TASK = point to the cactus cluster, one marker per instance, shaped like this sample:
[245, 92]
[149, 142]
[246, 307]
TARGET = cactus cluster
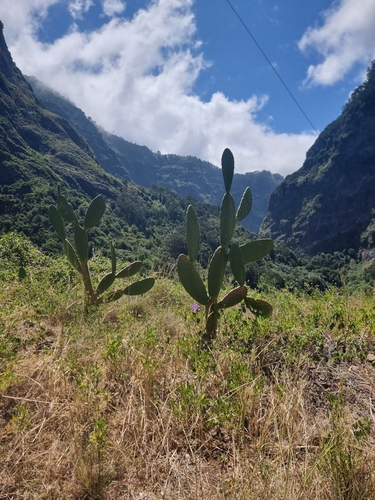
[78, 255]
[236, 255]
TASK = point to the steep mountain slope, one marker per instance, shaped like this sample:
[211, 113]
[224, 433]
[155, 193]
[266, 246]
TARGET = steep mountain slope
[84, 125]
[186, 175]
[39, 149]
[329, 204]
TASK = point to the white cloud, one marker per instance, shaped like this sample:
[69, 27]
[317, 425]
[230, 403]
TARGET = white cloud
[113, 7]
[135, 78]
[79, 7]
[346, 37]
[23, 17]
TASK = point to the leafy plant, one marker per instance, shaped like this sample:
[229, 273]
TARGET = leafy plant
[236, 255]
[79, 256]
[21, 419]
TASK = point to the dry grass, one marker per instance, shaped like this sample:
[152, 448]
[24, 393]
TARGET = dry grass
[122, 404]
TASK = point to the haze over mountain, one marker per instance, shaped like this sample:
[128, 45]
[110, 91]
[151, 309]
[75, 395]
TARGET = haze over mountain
[329, 204]
[186, 175]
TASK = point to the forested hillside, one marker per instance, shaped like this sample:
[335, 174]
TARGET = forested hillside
[40, 149]
[186, 175]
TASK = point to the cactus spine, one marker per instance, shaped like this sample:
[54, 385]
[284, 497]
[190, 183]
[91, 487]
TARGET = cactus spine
[78, 255]
[237, 256]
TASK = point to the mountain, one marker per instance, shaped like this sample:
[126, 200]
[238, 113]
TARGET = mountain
[60, 106]
[329, 204]
[39, 149]
[186, 175]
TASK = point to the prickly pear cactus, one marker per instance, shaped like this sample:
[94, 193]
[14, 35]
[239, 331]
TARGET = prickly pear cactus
[236, 255]
[78, 257]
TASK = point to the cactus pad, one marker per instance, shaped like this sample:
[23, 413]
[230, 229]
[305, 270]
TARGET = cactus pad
[216, 271]
[192, 233]
[113, 259]
[105, 283]
[94, 212]
[227, 165]
[245, 206]
[72, 256]
[237, 263]
[65, 209]
[233, 297]
[110, 297]
[259, 307]
[140, 287]
[22, 273]
[81, 242]
[57, 222]
[255, 250]
[130, 270]
[191, 280]
[227, 219]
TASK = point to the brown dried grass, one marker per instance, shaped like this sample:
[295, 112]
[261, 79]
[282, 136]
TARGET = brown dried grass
[126, 367]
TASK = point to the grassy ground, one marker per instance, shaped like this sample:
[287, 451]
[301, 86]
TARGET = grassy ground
[123, 404]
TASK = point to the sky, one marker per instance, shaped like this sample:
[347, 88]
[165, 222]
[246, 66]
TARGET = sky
[187, 77]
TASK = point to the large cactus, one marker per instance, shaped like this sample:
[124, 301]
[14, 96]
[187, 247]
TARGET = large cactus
[78, 255]
[236, 255]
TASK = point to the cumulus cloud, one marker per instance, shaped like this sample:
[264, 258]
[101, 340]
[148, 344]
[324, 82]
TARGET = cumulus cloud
[135, 78]
[79, 7]
[113, 7]
[346, 37]
[21, 19]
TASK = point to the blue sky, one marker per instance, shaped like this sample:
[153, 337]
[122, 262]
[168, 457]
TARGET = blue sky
[184, 76]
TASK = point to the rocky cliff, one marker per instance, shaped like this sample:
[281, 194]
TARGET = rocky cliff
[329, 204]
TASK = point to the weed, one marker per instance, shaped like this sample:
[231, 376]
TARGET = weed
[121, 406]
[21, 420]
[349, 472]
[91, 470]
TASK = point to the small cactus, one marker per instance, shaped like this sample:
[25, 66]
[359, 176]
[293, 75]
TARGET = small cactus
[78, 255]
[237, 255]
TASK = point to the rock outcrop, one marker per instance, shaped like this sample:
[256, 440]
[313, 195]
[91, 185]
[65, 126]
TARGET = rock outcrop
[329, 204]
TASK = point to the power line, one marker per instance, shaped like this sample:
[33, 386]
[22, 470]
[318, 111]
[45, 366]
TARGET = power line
[272, 66]
[285, 85]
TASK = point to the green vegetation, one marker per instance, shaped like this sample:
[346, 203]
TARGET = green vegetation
[236, 255]
[79, 256]
[120, 403]
[185, 175]
[285, 269]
